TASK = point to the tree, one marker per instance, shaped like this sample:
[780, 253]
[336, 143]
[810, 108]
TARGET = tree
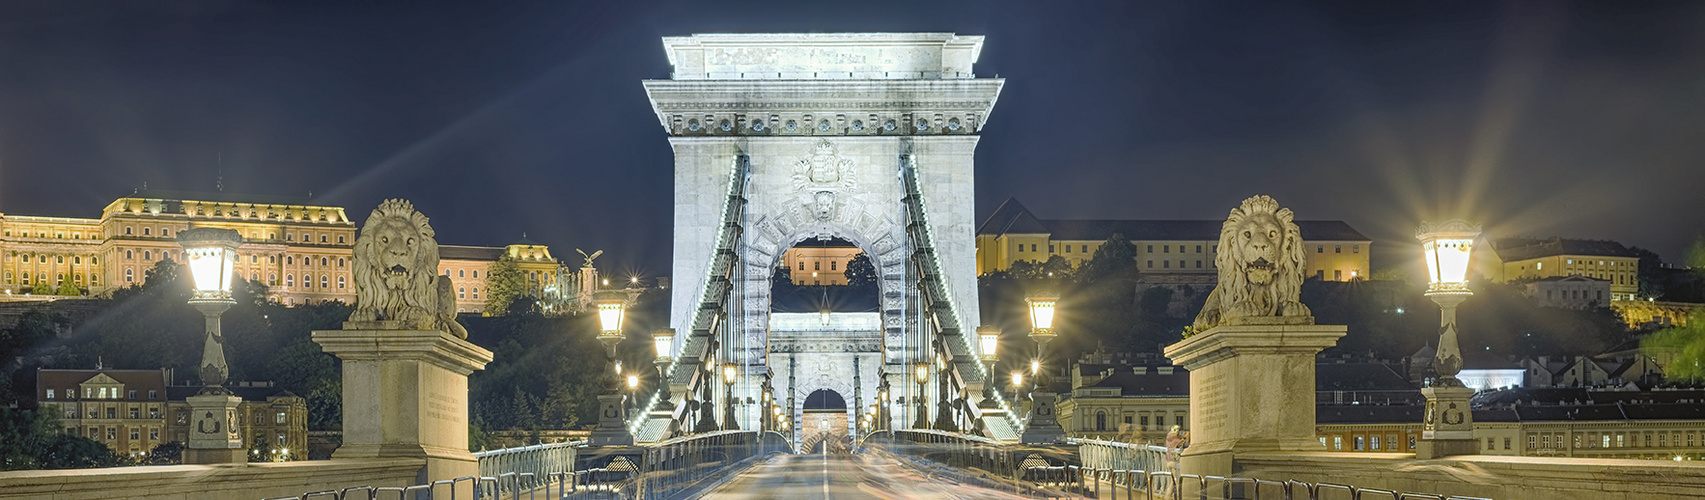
[34, 440]
[861, 271]
[504, 282]
[67, 288]
[1650, 273]
[1683, 345]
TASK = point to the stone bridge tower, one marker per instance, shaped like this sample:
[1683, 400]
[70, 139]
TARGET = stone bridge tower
[816, 133]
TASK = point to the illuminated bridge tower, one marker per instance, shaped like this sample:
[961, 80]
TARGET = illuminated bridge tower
[785, 138]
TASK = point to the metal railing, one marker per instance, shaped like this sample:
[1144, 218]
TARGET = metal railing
[663, 470]
[1132, 484]
[539, 460]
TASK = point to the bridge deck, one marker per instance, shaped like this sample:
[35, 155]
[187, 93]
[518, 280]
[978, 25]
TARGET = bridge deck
[824, 476]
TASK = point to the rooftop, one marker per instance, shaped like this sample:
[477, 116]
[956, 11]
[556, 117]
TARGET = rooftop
[1513, 249]
[1012, 218]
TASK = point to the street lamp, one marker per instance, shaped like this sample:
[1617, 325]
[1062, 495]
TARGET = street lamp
[1042, 427]
[920, 370]
[882, 406]
[729, 372]
[1448, 425]
[633, 388]
[211, 253]
[612, 418]
[663, 340]
[988, 342]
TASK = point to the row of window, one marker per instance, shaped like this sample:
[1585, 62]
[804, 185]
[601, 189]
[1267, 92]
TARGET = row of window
[57, 259]
[1167, 264]
[1142, 421]
[818, 265]
[1371, 442]
[111, 433]
[1664, 439]
[253, 235]
[112, 413]
[1337, 249]
[41, 278]
[1168, 248]
[105, 393]
[56, 234]
[460, 292]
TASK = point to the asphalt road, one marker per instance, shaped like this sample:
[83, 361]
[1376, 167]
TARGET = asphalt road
[825, 476]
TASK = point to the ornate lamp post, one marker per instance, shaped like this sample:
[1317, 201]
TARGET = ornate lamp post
[730, 371]
[663, 340]
[1448, 424]
[707, 410]
[211, 253]
[1042, 427]
[921, 372]
[882, 417]
[988, 342]
[612, 420]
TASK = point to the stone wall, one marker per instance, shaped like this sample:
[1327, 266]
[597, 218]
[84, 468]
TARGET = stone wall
[232, 481]
[1504, 478]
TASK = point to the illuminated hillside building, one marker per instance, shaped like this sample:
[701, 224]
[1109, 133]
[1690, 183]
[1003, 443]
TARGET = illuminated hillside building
[1166, 250]
[1516, 259]
[301, 251]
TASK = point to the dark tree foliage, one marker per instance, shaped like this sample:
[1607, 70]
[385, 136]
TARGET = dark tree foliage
[33, 440]
[1683, 345]
[861, 272]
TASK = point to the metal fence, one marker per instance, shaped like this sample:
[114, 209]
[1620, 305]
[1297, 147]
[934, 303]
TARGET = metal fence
[539, 460]
[663, 470]
[1132, 484]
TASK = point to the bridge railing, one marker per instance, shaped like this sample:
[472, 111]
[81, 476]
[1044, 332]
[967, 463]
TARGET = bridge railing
[672, 466]
[539, 460]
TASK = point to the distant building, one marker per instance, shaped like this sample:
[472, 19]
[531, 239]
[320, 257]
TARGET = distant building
[1169, 250]
[1654, 313]
[1125, 398]
[301, 250]
[1526, 258]
[469, 269]
[132, 411]
[1570, 292]
[819, 265]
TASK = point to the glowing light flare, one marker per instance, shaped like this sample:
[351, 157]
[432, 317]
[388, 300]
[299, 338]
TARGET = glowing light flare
[611, 312]
[729, 372]
[1017, 379]
[921, 371]
[633, 382]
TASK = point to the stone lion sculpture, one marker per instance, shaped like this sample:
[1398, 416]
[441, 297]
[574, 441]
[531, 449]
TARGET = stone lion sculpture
[1260, 261]
[396, 273]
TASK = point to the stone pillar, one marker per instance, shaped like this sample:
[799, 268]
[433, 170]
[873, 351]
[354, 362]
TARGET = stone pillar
[1448, 425]
[1043, 427]
[1251, 390]
[405, 394]
[213, 430]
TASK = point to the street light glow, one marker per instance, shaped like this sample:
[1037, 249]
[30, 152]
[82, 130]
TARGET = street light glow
[1447, 248]
[211, 253]
[988, 338]
[1041, 311]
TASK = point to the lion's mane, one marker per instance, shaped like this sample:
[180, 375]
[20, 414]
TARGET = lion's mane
[422, 302]
[1237, 297]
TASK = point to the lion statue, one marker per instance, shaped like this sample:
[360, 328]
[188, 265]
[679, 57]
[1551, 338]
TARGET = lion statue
[396, 273]
[1260, 261]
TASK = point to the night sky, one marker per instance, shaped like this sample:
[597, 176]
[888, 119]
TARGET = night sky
[499, 118]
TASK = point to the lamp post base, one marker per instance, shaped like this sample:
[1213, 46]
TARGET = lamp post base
[1043, 428]
[1447, 427]
[213, 439]
[612, 427]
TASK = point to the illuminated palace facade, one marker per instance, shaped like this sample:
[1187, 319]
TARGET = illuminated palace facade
[1178, 251]
[303, 252]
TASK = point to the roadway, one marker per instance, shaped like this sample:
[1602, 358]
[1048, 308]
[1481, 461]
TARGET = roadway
[822, 476]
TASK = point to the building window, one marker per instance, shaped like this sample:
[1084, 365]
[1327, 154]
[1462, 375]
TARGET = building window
[154, 433]
[1355, 249]
[1338, 443]
[1166, 264]
[153, 395]
[324, 261]
[461, 292]
[146, 231]
[1373, 442]
[817, 265]
[135, 413]
[1101, 421]
[1166, 249]
[1337, 248]
[1198, 264]
[112, 433]
[340, 283]
[476, 274]
[1032, 247]
[1506, 443]
[280, 417]
[111, 412]
[50, 394]
[147, 256]
[1144, 421]
[1411, 441]
[307, 281]
[131, 395]
[340, 238]
[1320, 249]
[476, 293]
[340, 262]
[1198, 249]
[322, 238]
[1337, 275]
[1148, 248]
[1391, 442]
[325, 281]
[129, 276]
[1085, 248]
[831, 267]
[1151, 264]
[289, 280]
[1357, 444]
[1068, 248]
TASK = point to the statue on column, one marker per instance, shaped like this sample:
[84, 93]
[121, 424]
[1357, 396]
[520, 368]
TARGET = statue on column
[1260, 259]
[396, 273]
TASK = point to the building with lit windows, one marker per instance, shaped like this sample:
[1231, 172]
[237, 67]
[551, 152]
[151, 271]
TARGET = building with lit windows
[1516, 259]
[302, 251]
[1180, 251]
[132, 411]
[1125, 398]
[819, 265]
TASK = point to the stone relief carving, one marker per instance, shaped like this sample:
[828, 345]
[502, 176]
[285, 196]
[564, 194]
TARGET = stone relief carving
[1260, 262]
[821, 177]
[396, 274]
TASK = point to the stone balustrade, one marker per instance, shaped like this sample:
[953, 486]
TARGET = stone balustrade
[1501, 477]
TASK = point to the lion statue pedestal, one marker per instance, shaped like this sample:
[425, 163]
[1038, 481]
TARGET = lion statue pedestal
[1251, 350]
[405, 359]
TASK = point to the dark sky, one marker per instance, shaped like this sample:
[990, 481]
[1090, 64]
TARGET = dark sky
[497, 118]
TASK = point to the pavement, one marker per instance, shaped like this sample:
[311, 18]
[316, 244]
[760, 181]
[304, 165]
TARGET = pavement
[822, 476]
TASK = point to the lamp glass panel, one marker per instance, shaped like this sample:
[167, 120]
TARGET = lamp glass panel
[610, 317]
[1042, 313]
[990, 342]
[210, 268]
[664, 345]
[1449, 262]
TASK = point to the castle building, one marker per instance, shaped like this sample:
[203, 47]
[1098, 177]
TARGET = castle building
[132, 411]
[1528, 259]
[302, 251]
[1180, 251]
